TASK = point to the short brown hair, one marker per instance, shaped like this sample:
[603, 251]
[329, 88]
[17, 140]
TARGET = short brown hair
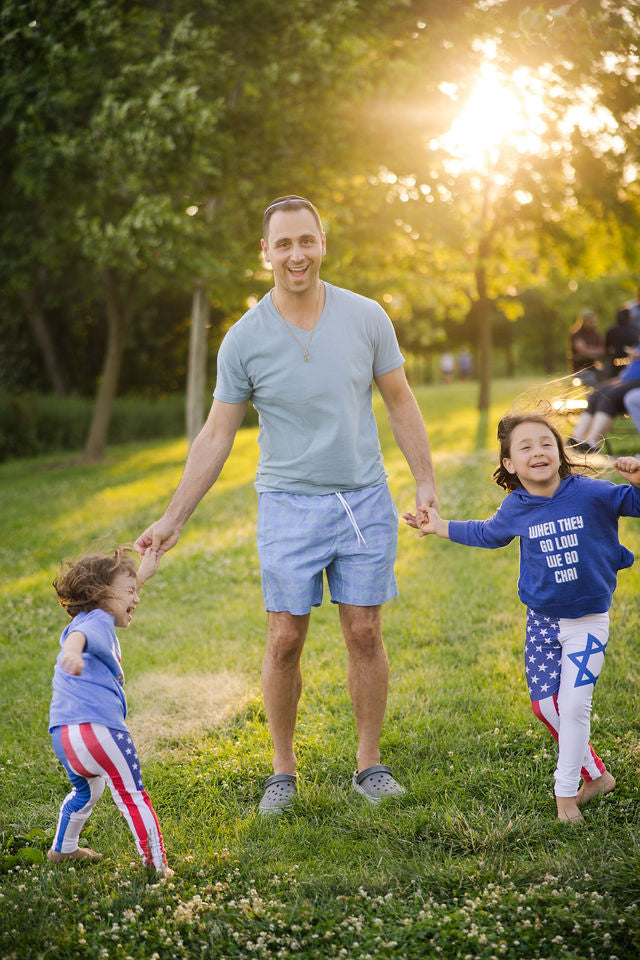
[506, 426]
[84, 584]
[292, 202]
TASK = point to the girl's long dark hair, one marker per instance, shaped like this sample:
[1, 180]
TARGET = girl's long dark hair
[506, 426]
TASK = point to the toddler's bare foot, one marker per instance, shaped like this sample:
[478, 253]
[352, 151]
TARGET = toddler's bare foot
[80, 853]
[166, 872]
[591, 788]
[568, 810]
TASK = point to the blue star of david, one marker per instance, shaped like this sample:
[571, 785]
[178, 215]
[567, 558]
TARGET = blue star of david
[581, 660]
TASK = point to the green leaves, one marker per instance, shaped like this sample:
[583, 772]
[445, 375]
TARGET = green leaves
[26, 848]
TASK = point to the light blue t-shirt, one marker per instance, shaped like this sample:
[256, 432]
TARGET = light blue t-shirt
[97, 694]
[317, 432]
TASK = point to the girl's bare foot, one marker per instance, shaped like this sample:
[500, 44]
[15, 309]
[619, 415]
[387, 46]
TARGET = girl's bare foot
[80, 853]
[166, 872]
[568, 810]
[591, 788]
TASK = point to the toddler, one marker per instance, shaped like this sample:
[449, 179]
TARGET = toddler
[89, 707]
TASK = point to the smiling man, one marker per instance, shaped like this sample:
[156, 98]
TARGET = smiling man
[306, 356]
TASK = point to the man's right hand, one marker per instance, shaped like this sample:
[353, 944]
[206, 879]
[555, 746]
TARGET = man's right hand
[160, 536]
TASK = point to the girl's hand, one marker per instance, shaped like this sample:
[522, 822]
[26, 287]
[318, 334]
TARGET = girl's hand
[72, 662]
[148, 565]
[428, 520]
[411, 519]
[629, 469]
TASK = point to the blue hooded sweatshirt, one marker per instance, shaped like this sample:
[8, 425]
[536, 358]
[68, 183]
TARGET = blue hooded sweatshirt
[570, 553]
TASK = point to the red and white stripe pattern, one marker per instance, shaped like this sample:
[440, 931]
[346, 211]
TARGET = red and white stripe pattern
[94, 750]
[547, 712]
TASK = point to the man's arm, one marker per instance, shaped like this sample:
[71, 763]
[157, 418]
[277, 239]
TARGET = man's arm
[206, 459]
[410, 433]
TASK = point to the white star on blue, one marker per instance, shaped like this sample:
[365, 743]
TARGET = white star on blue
[542, 653]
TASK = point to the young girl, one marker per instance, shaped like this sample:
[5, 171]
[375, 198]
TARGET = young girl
[88, 707]
[570, 555]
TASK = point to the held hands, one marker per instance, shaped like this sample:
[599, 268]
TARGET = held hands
[148, 565]
[629, 469]
[160, 536]
[426, 499]
[427, 520]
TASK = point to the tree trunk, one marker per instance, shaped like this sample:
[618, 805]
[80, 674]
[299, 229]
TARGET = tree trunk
[484, 307]
[548, 344]
[509, 354]
[197, 366]
[485, 345]
[484, 319]
[32, 304]
[197, 370]
[116, 321]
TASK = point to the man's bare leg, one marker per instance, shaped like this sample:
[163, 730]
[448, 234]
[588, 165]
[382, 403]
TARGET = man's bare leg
[282, 683]
[368, 677]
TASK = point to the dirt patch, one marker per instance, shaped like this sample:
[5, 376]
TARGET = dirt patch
[166, 707]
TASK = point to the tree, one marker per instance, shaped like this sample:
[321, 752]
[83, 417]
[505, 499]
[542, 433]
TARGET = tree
[493, 190]
[160, 130]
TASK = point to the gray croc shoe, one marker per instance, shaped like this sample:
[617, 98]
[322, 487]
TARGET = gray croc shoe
[280, 792]
[376, 784]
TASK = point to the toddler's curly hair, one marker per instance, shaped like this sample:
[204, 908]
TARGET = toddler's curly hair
[84, 584]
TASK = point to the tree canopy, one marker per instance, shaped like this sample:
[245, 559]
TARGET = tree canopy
[465, 155]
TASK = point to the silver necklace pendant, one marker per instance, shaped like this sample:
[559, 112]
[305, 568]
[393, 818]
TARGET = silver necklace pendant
[306, 356]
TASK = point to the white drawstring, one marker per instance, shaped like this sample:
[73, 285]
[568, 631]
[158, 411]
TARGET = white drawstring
[349, 513]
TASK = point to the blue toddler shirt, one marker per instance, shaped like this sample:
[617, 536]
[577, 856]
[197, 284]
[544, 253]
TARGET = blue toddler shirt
[97, 694]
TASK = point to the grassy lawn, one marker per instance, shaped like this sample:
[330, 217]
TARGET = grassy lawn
[471, 863]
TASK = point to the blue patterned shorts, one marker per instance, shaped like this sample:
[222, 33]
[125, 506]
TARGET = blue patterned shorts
[352, 535]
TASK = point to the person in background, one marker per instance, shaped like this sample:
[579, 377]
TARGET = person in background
[465, 364]
[447, 366]
[634, 307]
[620, 339]
[604, 404]
[585, 348]
[632, 406]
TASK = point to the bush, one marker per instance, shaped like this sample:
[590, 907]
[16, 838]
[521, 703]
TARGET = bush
[33, 424]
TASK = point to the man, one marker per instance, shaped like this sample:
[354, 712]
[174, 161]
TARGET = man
[306, 356]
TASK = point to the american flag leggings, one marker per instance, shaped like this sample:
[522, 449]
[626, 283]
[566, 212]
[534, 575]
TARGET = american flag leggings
[563, 659]
[94, 755]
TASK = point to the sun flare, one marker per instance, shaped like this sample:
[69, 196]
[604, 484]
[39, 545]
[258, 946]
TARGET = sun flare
[498, 110]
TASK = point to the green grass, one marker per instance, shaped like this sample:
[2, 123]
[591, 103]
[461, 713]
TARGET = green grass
[470, 864]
